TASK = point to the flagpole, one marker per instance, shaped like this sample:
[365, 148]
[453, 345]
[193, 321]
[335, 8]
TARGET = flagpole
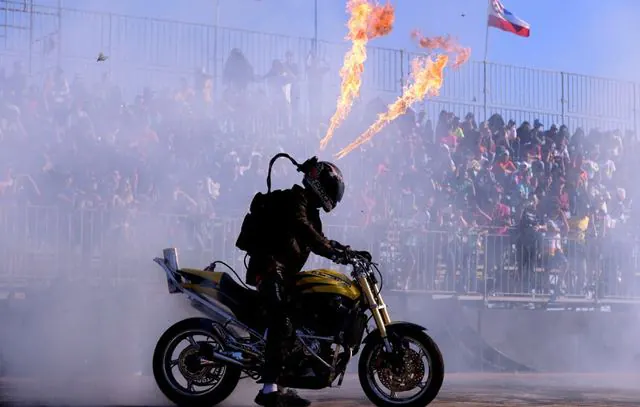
[484, 62]
[486, 42]
[315, 25]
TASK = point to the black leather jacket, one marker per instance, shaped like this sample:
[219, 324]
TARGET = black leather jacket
[290, 229]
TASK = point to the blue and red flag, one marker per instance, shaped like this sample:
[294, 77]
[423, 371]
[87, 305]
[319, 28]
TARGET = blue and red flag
[503, 19]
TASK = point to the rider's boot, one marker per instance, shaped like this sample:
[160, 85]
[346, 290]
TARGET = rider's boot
[281, 398]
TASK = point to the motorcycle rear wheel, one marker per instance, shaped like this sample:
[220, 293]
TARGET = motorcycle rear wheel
[227, 378]
[373, 363]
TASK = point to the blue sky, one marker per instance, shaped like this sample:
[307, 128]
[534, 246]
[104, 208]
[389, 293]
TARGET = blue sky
[592, 37]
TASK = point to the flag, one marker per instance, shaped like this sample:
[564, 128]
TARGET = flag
[503, 19]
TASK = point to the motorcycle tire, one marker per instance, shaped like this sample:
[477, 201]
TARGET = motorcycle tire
[223, 389]
[436, 372]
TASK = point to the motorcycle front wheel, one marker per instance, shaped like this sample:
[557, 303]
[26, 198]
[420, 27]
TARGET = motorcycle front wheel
[411, 376]
[179, 370]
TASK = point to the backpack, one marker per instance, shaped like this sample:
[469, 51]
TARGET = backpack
[260, 224]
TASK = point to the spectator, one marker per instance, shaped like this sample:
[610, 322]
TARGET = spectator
[238, 72]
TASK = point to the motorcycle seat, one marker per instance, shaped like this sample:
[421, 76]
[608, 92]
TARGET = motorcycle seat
[229, 287]
[241, 301]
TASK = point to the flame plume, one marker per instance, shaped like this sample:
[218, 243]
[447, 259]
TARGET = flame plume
[367, 22]
[445, 43]
[381, 21]
[426, 80]
[426, 76]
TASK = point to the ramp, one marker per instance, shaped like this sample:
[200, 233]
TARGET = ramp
[470, 341]
[458, 336]
[566, 341]
[475, 338]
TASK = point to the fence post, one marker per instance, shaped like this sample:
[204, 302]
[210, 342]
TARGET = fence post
[562, 99]
[207, 55]
[59, 51]
[480, 343]
[484, 88]
[31, 39]
[635, 110]
[109, 47]
[215, 56]
[401, 70]
[485, 271]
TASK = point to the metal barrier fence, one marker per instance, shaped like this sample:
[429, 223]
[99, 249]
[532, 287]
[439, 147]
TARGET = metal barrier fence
[157, 52]
[48, 243]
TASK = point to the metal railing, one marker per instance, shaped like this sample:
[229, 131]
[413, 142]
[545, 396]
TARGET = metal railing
[157, 52]
[46, 244]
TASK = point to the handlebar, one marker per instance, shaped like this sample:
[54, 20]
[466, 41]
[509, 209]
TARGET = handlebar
[361, 262]
[353, 257]
[357, 255]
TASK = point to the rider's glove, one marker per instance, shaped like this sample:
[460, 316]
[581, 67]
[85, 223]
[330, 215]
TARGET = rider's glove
[365, 254]
[339, 257]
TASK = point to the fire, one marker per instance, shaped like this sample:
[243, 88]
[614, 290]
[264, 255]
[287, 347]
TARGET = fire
[367, 22]
[381, 21]
[426, 78]
[445, 43]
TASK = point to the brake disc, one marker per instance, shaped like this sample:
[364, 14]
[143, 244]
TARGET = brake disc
[191, 369]
[405, 378]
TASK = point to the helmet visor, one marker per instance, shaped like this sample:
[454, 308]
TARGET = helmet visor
[335, 186]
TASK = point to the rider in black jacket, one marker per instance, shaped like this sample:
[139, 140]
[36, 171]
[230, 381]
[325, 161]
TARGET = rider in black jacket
[281, 230]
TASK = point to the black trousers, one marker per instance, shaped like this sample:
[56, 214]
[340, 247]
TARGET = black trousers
[272, 289]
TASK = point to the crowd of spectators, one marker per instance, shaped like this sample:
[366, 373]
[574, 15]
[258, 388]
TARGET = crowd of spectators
[541, 196]
[82, 145]
[553, 204]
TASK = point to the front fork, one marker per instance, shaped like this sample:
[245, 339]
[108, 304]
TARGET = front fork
[378, 309]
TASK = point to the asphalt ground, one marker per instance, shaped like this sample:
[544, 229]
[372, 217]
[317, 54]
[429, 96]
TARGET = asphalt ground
[471, 390]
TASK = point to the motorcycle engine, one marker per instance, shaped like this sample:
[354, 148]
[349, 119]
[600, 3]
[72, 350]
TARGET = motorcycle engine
[307, 346]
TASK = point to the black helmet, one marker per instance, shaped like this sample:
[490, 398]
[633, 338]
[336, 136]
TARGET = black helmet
[325, 180]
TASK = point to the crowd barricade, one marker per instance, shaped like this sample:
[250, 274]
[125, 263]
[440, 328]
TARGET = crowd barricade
[527, 263]
[47, 243]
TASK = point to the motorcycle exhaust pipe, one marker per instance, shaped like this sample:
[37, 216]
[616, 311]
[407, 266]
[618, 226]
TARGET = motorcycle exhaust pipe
[222, 358]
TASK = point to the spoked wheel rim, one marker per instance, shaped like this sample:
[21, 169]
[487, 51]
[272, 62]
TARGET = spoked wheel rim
[403, 380]
[196, 377]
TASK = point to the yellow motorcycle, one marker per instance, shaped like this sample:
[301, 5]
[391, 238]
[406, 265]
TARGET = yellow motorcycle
[199, 361]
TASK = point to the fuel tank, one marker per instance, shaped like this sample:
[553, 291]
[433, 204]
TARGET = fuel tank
[325, 281]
